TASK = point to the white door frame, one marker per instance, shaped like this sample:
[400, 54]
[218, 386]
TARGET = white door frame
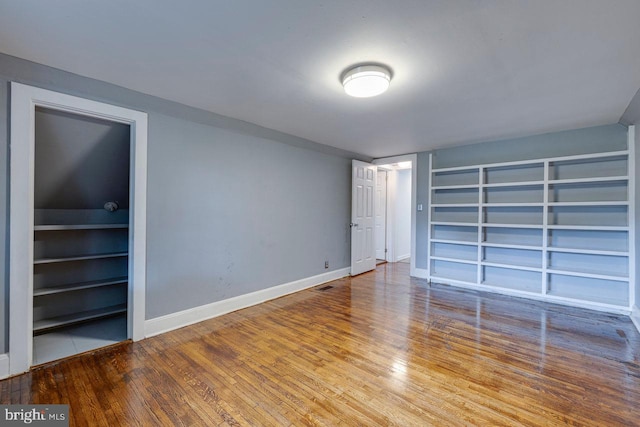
[391, 238]
[382, 207]
[24, 100]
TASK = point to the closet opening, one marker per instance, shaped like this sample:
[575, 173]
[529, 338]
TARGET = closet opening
[77, 241]
[81, 233]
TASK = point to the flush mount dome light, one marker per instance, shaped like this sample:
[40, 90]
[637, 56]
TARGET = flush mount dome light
[366, 80]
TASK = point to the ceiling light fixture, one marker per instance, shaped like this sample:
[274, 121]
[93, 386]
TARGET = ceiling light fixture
[365, 81]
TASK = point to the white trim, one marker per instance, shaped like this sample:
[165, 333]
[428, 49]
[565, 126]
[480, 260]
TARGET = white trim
[635, 316]
[536, 160]
[24, 100]
[631, 194]
[4, 365]
[420, 273]
[533, 296]
[392, 187]
[183, 318]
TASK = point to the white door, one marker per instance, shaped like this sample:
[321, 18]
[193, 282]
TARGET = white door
[381, 215]
[363, 246]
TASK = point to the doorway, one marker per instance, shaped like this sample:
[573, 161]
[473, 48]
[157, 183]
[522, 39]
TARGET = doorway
[381, 217]
[400, 207]
[81, 234]
[47, 229]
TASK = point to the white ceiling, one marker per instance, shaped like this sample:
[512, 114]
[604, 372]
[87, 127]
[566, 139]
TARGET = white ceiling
[464, 71]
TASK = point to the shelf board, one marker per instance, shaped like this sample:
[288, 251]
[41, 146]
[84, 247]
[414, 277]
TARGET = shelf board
[599, 155]
[511, 266]
[588, 180]
[512, 184]
[60, 321]
[592, 203]
[454, 205]
[587, 251]
[62, 227]
[79, 286]
[460, 261]
[514, 204]
[456, 187]
[503, 225]
[463, 224]
[603, 301]
[511, 246]
[455, 242]
[473, 168]
[80, 258]
[445, 280]
[588, 275]
[589, 227]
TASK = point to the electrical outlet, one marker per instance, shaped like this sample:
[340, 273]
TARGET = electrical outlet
[326, 264]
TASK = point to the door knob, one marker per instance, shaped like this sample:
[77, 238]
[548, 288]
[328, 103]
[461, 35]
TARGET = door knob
[353, 224]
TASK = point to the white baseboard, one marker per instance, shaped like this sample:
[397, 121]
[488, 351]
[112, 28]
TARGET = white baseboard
[420, 273]
[635, 316]
[402, 257]
[190, 316]
[4, 365]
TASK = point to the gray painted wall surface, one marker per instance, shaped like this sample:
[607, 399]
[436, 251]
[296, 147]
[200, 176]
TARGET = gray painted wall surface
[403, 213]
[230, 214]
[232, 207]
[80, 162]
[580, 141]
[422, 218]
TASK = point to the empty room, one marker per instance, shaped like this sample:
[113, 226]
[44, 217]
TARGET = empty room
[285, 213]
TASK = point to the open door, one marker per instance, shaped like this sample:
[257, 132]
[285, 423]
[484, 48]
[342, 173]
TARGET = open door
[363, 189]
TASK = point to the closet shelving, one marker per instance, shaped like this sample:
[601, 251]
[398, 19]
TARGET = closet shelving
[81, 269]
[556, 229]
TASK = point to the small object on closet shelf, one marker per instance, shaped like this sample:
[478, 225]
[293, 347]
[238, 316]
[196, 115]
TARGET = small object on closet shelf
[111, 206]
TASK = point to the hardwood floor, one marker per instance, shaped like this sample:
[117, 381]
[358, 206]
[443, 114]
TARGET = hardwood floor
[378, 349]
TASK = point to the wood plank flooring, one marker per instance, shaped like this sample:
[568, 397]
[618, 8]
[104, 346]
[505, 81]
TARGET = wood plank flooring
[378, 349]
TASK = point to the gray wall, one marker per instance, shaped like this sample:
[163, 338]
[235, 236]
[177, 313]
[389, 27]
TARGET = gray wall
[422, 217]
[403, 213]
[74, 154]
[232, 207]
[580, 141]
[230, 214]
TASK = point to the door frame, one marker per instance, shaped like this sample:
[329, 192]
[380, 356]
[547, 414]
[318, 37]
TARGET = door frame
[24, 100]
[386, 210]
[391, 238]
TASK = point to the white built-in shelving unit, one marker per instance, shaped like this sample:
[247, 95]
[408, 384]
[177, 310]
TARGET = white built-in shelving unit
[557, 229]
